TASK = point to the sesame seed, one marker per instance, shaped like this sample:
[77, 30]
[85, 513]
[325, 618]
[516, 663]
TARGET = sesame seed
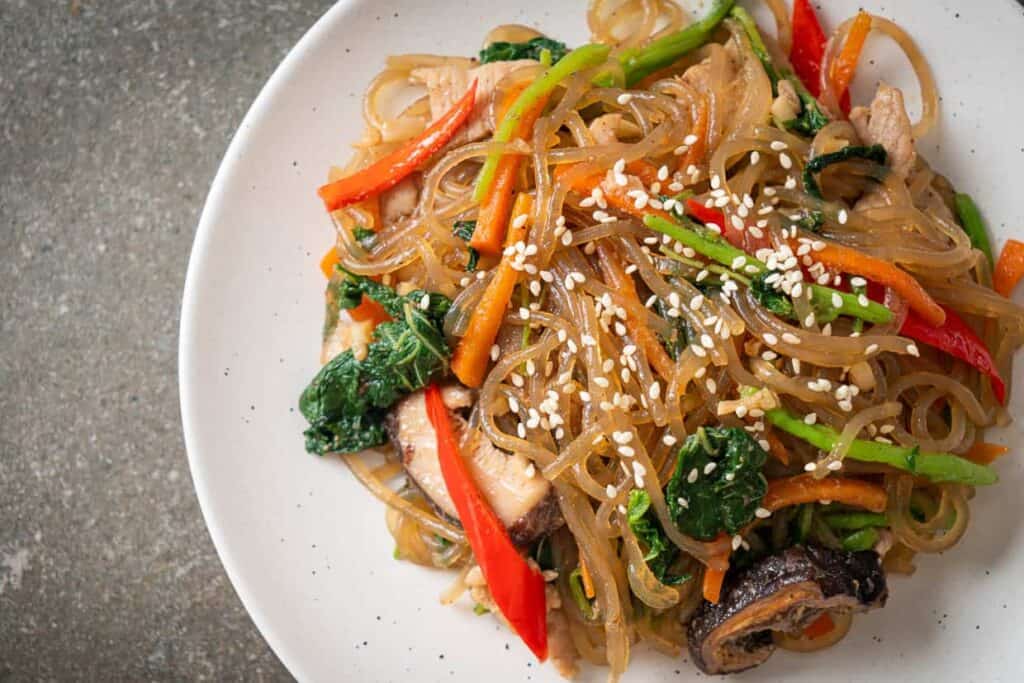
[611, 491]
[913, 350]
[521, 430]
[706, 341]
[737, 541]
[520, 220]
[683, 502]
[863, 300]
[778, 145]
[585, 396]
[425, 302]
[663, 173]
[690, 139]
[737, 222]
[846, 405]
[810, 467]
[837, 300]
[710, 467]
[770, 338]
[668, 439]
[762, 513]
[698, 351]
[567, 238]
[601, 382]
[624, 98]
[843, 216]
[871, 349]
[790, 338]
[711, 385]
[835, 465]
[681, 150]
[755, 157]
[655, 390]
[627, 451]
[692, 476]
[769, 355]
[785, 161]
[858, 282]
[810, 418]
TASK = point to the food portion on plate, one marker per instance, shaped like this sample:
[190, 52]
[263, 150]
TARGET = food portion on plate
[661, 339]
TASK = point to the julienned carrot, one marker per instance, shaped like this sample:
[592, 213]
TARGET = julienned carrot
[804, 488]
[621, 282]
[985, 453]
[588, 580]
[821, 626]
[777, 448]
[644, 170]
[613, 194]
[843, 68]
[328, 262]
[492, 222]
[1009, 268]
[712, 586]
[469, 362]
[695, 154]
[851, 261]
[389, 170]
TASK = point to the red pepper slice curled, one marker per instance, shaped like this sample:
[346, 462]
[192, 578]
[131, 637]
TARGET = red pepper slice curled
[517, 588]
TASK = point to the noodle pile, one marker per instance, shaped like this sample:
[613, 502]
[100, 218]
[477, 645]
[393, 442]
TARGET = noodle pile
[579, 383]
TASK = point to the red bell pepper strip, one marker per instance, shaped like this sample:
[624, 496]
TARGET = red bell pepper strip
[517, 588]
[808, 49]
[389, 170]
[956, 338]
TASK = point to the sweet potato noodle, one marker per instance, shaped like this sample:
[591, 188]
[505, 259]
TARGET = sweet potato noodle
[585, 361]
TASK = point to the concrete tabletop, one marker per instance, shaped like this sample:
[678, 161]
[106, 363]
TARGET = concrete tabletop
[113, 118]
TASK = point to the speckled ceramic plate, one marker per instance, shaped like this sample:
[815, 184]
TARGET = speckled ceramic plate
[306, 547]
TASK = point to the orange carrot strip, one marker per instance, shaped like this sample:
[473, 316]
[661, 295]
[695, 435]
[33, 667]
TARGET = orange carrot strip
[697, 150]
[615, 195]
[712, 586]
[986, 453]
[644, 170]
[328, 262]
[821, 626]
[845, 64]
[469, 362]
[588, 580]
[622, 283]
[369, 310]
[855, 262]
[804, 488]
[1009, 268]
[492, 221]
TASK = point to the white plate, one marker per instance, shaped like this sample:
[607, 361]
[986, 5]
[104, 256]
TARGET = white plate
[306, 547]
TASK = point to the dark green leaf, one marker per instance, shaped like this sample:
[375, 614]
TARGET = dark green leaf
[464, 229]
[725, 498]
[679, 338]
[346, 402]
[364, 236]
[875, 153]
[531, 49]
[812, 118]
[770, 298]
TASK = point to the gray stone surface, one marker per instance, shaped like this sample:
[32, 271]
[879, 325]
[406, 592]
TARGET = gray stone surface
[113, 118]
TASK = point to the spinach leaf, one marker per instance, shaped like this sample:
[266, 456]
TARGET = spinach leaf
[346, 402]
[660, 551]
[875, 153]
[679, 338]
[775, 301]
[364, 236]
[717, 485]
[531, 49]
[464, 231]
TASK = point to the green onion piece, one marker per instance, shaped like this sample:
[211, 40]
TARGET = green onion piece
[701, 240]
[757, 44]
[972, 223]
[638, 63]
[855, 521]
[936, 467]
[579, 595]
[804, 521]
[865, 539]
[579, 59]
[822, 298]
[479, 609]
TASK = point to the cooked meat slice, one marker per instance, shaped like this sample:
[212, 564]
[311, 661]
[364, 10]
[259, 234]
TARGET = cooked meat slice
[399, 201]
[783, 592]
[521, 498]
[446, 84]
[886, 123]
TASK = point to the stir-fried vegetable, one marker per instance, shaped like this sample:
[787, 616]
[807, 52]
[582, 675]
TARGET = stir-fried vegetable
[823, 298]
[985, 453]
[717, 484]
[803, 488]
[464, 230]
[390, 169]
[1010, 268]
[811, 118]
[865, 539]
[659, 551]
[973, 224]
[638, 63]
[346, 402]
[711, 588]
[469, 362]
[516, 587]
[854, 521]
[875, 153]
[579, 593]
[579, 59]
[809, 42]
[956, 338]
[936, 467]
[492, 221]
[845, 64]
[502, 51]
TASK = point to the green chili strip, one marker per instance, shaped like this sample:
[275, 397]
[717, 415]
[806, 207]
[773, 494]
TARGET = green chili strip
[865, 539]
[638, 63]
[717, 249]
[855, 521]
[579, 59]
[972, 223]
[937, 467]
